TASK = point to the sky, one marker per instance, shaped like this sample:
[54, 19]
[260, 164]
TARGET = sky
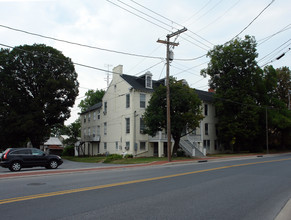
[102, 34]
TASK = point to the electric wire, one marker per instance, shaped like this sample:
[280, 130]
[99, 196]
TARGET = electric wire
[79, 44]
[157, 25]
[254, 19]
[172, 22]
[218, 18]
[269, 37]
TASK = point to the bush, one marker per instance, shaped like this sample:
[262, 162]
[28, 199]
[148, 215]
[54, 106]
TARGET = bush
[69, 151]
[112, 157]
[128, 156]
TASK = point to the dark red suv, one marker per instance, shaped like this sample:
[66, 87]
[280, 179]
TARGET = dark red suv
[17, 158]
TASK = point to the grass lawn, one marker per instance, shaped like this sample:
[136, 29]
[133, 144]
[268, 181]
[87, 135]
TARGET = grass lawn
[96, 159]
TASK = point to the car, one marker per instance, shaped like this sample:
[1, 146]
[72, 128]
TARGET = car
[17, 158]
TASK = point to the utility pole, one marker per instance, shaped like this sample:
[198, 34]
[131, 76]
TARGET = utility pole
[107, 77]
[267, 136]
[168, 43]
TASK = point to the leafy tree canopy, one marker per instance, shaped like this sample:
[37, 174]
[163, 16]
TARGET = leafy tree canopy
[38, 85]
[243, 92]
[92, 98]
[185, 110]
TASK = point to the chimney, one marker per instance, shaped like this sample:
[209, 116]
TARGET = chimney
[118, 69]
[211, 90]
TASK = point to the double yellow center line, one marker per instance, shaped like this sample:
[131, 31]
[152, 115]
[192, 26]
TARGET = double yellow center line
[37, 196]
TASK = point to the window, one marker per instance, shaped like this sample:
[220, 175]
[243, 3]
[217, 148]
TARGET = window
[105, 146]
[36, 152]
[21, 152]
[142, 100]
[206, 144]
[127, 125]
[127, 104]
[98, 115]
[127, 145]
[105, 108]
[142, 145]
[94, 116]
[206, 128]
[142, 126]
[94, 131]
[116, 145]
[105, 128]
[89, 132]
[148, 81]
[89, 117]
[98, 130]
[84, 118]
[205, 109]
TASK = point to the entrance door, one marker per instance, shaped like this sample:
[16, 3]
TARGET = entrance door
[156, 149]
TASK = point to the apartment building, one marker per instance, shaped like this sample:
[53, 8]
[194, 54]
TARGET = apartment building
[115, 125]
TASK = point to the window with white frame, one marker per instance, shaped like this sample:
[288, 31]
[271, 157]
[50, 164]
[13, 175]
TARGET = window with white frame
[105, 108]
[127, 145]
[205, 109]
[149, 82]
[116, 145]
[127, 125]
[206, 128]
[94, 131]
[141, 126]
[105, 128]
[127, 102]
[98, 130]
[94, 115]
[98, 114]
[142, 100]
[105, 146]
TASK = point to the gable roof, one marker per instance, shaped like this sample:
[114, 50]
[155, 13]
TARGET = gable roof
[93, 107]
[138, 83]
[53, 141]
[205, 96]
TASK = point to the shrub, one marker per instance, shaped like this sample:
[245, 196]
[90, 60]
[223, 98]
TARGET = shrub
[112, 157]
[69, 151]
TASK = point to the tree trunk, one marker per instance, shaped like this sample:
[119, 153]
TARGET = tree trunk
[176, 145]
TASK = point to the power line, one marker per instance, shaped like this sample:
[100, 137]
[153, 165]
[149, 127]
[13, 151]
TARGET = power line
[174, 23]
[254, 19]
[78, 44]
[223, 14]
[155, 23]
[278, 32]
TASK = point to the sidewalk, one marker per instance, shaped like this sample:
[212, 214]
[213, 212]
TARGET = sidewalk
[25, 173]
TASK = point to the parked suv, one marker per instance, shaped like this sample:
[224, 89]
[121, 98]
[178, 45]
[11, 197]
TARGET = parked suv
[16, 158]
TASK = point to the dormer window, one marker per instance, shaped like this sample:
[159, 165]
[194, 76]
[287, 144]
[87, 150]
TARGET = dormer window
[148, 80]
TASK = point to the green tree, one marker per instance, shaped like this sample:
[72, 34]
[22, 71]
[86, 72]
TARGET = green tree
[234, 75]
[38, 85]
[275, 99]
[92, 98]
[185, 111]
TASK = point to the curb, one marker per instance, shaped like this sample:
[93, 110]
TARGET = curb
[285, 213]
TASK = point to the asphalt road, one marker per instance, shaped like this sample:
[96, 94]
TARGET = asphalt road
[255, 188]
